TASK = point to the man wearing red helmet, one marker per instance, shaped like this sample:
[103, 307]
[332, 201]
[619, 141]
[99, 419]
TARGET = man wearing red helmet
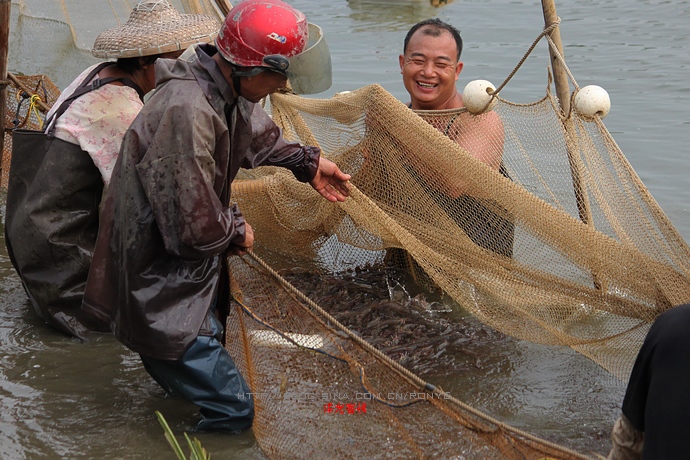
[166, 221]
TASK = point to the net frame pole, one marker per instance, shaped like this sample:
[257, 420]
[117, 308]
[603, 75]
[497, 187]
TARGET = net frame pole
[562, 85]
[5, 6]
[560, 76]
[224, 5]
[560, 80]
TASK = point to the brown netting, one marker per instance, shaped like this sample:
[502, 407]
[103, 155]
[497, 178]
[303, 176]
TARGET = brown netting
[322, 392]
[589, 269]
[563, 245]
[595, 286]
[28, 97]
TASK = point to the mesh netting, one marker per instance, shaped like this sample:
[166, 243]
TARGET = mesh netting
[592, 286]
[73, 27]
[321, 392]
[561, 245]
[84, 28]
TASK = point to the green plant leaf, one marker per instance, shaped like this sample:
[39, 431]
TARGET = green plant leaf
[197, 452]
[171, 437]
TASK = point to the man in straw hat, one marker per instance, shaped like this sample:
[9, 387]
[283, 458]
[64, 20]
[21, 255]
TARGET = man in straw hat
[53, 225]
[167, 221]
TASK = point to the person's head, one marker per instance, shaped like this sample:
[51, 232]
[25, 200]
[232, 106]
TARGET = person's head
[430, 65]
[255, 44]
[155, 29]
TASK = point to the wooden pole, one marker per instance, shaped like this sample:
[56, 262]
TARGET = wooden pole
[560, 76]
[42, 106]
[561, 81]
[224, 5]
[5, 6]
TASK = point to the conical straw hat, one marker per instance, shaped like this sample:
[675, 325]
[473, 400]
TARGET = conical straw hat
[155, 27]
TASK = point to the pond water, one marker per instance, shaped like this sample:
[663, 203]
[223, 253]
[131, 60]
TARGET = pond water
[63, 399]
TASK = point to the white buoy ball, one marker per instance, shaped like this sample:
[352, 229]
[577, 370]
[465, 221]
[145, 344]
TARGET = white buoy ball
[476, 97]
[592, 100]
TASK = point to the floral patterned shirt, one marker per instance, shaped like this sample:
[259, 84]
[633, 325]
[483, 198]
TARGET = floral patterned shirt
[97, 121]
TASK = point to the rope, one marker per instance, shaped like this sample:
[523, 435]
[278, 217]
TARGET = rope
[33, 108]
[285, 336]
[21, 96]
[545, 33]
[41, 105]
[561, 59]
[536, 41]
[404, 372]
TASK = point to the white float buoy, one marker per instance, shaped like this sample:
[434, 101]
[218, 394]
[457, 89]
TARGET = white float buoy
[476, 96]
[592, 100]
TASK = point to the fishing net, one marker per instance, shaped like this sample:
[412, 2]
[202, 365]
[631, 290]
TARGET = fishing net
[569, 249]
[320, 391]
[561, 245]
[541, 274]
[73, 27]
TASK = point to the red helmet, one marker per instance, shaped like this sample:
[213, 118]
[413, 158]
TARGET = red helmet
[262, 33]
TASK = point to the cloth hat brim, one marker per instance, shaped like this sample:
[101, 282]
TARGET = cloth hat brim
[155, 27]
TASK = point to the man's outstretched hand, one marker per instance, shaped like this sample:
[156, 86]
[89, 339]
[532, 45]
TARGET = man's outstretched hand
[330, 181]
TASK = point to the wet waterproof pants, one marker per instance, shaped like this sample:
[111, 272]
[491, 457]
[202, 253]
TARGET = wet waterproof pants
[207, 376]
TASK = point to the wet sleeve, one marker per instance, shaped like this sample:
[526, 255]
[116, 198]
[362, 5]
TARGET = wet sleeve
[177, 174]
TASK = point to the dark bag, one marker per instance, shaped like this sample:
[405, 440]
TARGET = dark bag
[51, 222]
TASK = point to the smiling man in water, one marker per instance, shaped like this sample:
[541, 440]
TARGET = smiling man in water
[430, 66]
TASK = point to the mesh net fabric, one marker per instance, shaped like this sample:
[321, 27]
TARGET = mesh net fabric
[321, 392]
[563, 246]
[586, 263]
[73, 29]
[592, 286]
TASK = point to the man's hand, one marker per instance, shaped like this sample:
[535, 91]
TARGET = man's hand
[330, 181]
[240, 248]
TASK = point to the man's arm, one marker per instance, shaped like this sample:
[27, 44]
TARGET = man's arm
[269, 148]
[482, 136]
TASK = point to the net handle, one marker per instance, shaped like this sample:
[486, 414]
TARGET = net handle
[43, 107]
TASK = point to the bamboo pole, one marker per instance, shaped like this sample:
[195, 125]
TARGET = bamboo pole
[5, 6]
[224, 5]
[561, 82]
[560, 76]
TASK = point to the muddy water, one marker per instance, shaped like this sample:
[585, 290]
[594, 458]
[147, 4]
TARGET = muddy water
[63, 399]
[553, 392]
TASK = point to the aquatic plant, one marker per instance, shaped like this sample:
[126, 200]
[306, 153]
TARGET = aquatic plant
[196, 451]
